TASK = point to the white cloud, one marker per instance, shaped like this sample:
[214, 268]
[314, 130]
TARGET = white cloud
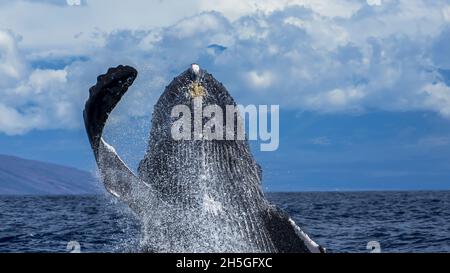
[33, 98]
[235, 9]
[291, 20]
[446, 13]
[311, 55]
[258, 80]
[73, 2]
[12, 122]
[43, 100]
[198, 25]
[57, 25]
[11, 65]
[437, 97]
[45, 80]
[374, 2]
[336, 99]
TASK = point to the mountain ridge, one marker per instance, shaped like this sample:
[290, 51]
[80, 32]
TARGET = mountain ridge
[19, 176]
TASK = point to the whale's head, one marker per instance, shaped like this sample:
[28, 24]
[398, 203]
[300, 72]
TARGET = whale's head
[193, 88]
[180, 149]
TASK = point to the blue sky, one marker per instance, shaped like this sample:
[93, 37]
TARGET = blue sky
[363, 86]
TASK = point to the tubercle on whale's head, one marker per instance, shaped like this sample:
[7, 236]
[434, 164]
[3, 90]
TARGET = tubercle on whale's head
[196, 71]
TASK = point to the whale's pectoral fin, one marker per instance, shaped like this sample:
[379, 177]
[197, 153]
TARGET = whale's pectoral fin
[103, 97]
[117, 178]
[286, 235]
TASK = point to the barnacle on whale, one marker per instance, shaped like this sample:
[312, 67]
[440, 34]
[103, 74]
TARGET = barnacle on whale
[196, 90]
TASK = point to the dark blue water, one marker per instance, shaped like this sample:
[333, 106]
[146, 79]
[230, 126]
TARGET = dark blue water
[342, 222]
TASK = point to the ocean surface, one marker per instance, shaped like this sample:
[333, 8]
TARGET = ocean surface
[340, 221]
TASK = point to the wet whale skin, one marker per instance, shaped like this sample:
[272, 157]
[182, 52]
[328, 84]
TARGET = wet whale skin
[191, 195]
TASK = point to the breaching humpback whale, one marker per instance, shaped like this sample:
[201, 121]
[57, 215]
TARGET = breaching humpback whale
[191, 195]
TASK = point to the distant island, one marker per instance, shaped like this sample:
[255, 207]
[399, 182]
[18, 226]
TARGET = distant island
[20, 176]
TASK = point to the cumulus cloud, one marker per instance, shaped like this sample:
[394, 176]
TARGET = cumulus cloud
[374, 2]
[437, 96]
[74, 2]
[259, 80]
[336, 99]
[11, 64]
[235, 9]
[34, 98]
[326, 56]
